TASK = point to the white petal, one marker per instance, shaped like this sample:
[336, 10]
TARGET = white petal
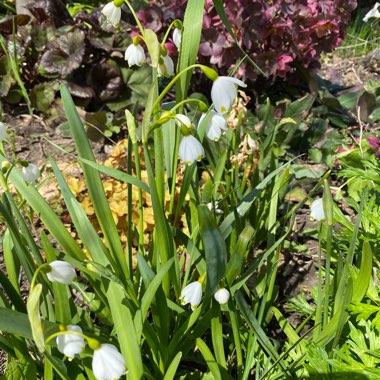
[190, 150]
[177, 36]
[373, 13]
[70, 344]
[223, 92]
[61, 271]
[108, 363]
[112, 12]
[316, 210]
[169, 65]
[30, 173]
[135, 55]
[3, 131]
[222, 296]
[192, 294]
[183, 119]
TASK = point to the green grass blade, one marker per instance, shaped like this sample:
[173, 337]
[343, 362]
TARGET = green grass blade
[94, 184]
[365, 274]
[215, 249]
[83, 226]
[172, 369]
[33, 307]
[228, 223]
[125, 330]
[209, 359]
[235, 264]
[191, 36]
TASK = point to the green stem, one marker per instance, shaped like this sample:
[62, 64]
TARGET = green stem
[142, 30]
[141, 208]
[167, 33]
[236, 334]
[172, 82]
[38, 270]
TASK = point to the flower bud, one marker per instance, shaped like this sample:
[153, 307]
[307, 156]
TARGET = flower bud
[222, 296]
[5, 165]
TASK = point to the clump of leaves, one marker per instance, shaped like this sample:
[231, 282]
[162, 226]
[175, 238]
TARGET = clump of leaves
[277, 35]
[83, 52]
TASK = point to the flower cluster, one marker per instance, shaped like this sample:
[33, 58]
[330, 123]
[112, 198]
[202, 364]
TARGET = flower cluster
[135, 54]
[192, 294]
[107, 362]
[223, 94]
[277, 34]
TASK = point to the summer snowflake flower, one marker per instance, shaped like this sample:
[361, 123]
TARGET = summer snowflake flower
[223, 93]
[316, 210]
[373, 13]
[177, 37]
[108, 363]
[71, 344]
[112, 11]
[135, 55]
[3, 132]
[165, 66]
[222, 296]
[216, 125]
[30, 173]
[190, 149]
[61, 271]
[192, 294]
[183, 120]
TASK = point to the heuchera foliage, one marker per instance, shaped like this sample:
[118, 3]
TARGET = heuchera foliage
[278, 35]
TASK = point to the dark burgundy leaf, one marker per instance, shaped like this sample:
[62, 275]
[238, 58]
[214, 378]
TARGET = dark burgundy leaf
[6, 23]
[66, 55]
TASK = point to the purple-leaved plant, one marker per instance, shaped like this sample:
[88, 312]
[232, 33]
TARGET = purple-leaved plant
[278, 35]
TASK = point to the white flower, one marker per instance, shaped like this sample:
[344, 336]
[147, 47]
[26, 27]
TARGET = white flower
[316, 210]
[112, 12]
[222, 295]
[216, 125]
[71, 344]
[166, 67]
[30, 173]
[3, 132]
[223, 93]
[177, 37]
[192, 294]
[61, 271]
[183, 120]
[108, 363]
[135, 55]
[373, 13]
[190, 149]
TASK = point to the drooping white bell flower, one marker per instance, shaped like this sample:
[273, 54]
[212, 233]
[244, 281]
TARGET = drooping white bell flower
[30, 173]
[112, 11]
[183, 120]
[71, 344]
[224, 91]
[190, 150]
[108, 363]
[177, 37]
[373, 13]
[3, 132]
[61, 271]
[135, 55]
[316, 210]
[192, 294]
[165, 67]
[216, 125]
[222, 296]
